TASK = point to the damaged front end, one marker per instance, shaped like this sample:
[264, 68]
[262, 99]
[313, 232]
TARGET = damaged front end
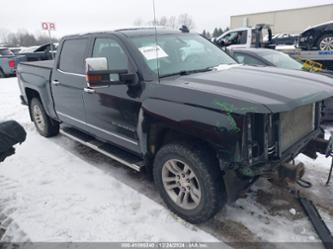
[270, 142]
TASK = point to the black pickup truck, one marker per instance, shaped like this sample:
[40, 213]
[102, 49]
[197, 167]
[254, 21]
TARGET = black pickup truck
[203, 125]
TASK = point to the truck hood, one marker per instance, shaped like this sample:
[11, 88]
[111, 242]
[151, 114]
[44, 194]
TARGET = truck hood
[260, 88]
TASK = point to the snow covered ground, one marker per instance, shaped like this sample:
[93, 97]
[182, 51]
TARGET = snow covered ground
[57, 190]
[53, 195]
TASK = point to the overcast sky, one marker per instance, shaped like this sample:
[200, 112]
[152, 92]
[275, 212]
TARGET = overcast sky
[88, 15]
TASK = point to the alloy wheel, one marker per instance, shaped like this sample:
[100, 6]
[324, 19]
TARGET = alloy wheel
[181, 184]
[38, 117]
[326, 43]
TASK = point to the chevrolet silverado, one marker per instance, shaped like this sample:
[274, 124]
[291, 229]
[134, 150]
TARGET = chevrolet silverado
[174, 104]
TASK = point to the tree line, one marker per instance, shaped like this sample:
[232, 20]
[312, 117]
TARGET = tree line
[23, 38]
[171, 21]
[216, 32]
[175, 22]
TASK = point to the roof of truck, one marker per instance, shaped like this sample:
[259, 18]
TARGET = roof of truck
[147, 31]
[135, 31]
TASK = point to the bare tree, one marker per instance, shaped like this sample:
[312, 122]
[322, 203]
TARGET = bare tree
[4, 36]
[185, 19]
[24, 38]
[172, 22]
[163, 21]
[13, 40]
[138, 22]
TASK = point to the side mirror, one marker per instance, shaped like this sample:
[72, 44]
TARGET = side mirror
[98, 75]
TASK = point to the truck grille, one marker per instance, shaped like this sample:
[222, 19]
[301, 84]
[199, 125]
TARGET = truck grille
[295, 125]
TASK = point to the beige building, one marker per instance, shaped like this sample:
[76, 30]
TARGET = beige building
[291, 21]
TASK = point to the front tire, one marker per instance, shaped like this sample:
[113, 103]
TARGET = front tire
[189, 181]
[325, 42]
[46, 126]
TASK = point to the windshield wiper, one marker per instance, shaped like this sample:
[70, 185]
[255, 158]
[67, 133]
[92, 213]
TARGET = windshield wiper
[187, 72]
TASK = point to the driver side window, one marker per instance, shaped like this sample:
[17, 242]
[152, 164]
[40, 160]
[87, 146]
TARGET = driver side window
[111, 49]
[236, 38]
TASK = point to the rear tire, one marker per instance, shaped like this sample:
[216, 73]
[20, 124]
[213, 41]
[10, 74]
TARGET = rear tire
[46, 126]
[189, 181]
[2, 74]
[325, 42]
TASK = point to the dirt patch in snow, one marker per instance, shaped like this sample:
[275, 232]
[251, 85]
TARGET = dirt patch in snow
[233, 230]
[280, 202]
[329, 210]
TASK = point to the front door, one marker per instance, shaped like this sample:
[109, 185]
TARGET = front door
[112, 114]
[68, 81]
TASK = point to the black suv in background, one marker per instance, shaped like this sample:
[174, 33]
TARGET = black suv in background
[319, 37]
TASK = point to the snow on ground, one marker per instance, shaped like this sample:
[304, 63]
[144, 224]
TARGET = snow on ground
[52, 195]
[57, 190]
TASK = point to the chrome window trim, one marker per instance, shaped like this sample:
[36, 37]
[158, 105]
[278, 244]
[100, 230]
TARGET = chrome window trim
[98, 128]
[75, 74]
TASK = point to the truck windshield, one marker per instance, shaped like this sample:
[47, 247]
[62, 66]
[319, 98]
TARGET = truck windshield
[180, 53]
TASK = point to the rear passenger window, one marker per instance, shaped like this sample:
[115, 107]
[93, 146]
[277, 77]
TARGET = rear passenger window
[111, 49]
[72, 56]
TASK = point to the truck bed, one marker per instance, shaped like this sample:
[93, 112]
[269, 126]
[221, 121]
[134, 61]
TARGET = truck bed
[36, 76]
[44, 64]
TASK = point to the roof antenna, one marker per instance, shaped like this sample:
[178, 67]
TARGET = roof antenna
[156, 46]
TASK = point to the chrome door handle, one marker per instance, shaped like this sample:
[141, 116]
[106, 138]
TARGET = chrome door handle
[55, 82]
[89, 90]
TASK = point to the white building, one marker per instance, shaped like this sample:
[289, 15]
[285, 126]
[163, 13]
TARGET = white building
[291, 21]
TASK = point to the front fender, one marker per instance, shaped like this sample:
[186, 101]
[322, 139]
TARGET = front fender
[220, 128]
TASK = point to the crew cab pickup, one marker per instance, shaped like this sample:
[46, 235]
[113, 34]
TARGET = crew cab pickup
[181, 108]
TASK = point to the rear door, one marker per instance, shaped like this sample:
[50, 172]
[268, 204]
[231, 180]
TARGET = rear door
[68, 81]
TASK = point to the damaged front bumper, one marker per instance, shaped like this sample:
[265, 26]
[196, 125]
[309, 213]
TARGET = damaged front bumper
[310, 145]
[238, 180]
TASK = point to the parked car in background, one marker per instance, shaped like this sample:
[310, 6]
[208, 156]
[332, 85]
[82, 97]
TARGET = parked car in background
[8, 62]
[40, 53]
[265, 57]
[203, 125]
[319, 37]
[273, 58]
[284, 39]
[16, 50]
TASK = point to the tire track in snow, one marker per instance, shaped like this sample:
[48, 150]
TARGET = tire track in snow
[10, 231]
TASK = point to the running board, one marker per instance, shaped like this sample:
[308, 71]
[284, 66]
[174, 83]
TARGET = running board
[106, 149]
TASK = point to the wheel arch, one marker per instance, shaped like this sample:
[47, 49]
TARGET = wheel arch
[45, 100]
[160, 123]
[325, 32]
